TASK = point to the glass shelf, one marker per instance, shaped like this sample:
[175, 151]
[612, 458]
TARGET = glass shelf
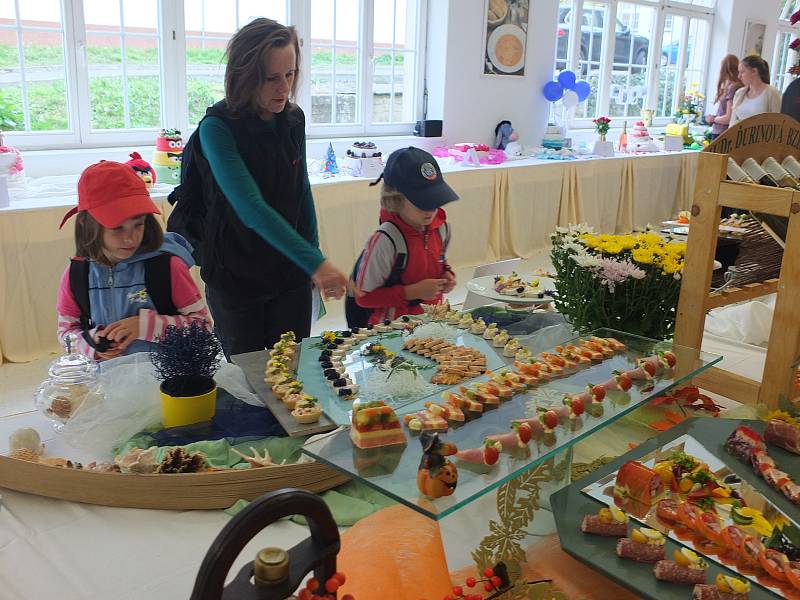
[361, 370]
[392, 470]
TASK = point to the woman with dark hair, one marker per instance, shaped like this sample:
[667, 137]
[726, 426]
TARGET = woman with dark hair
[727, 84]
[757, 96]
[260, 245]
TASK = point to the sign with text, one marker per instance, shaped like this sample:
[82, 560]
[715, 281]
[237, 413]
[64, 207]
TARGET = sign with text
[759, 137]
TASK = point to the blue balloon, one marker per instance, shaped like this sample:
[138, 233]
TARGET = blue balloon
[567, 79]
[553, 91]
[583, 89]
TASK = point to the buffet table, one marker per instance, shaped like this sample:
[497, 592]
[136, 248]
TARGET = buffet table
[505, 210]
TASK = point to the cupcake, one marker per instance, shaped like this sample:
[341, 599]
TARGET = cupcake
[491, 332]
[466, 321]
[307, 411]
[523, 354]
[501, 339]
[478, 327]
[453, 317]
[510, 349]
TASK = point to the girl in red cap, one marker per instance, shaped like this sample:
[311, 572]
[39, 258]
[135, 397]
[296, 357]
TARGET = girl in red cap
[129, 280]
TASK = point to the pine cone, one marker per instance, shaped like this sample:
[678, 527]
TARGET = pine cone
[178, 460]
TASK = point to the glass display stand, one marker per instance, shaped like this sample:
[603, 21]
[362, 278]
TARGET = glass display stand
[499, 503]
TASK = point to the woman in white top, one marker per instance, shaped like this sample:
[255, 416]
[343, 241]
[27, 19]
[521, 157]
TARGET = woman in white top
[757, 96]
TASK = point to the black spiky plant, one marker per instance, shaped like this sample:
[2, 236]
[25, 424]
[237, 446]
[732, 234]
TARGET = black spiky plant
[186, 359]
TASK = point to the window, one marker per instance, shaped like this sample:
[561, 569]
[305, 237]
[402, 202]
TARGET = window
[635, 53]
[113, 72]
[209, 25]
[365, 62]
[785, 58]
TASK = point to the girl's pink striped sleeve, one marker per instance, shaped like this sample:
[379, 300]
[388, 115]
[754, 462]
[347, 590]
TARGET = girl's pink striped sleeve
[186, 298]
[69, 317]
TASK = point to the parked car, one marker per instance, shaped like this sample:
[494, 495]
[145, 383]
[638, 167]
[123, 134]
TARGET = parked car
[592, 38]
[669, 53]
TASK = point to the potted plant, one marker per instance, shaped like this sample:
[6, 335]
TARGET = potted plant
[185, 360]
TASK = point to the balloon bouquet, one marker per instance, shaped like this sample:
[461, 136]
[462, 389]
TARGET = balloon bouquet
[570, 91]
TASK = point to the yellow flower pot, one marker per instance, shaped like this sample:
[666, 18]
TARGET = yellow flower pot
[185, 410]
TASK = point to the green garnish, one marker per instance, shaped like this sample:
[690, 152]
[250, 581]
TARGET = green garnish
[683, 460]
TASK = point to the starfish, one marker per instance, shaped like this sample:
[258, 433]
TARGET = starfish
[257, 460]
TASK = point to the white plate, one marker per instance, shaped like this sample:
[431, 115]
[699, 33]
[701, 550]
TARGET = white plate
[491, 47]
[484, 286]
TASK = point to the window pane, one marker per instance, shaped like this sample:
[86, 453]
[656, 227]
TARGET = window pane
[37, 102]
[124, 73]
[631, 51]
[562, 34]
[668, 74]
[334, 61]
[591, 44]
[786, 59]
[788, 7]
[395, 61]
[696, 47]
[209, 26]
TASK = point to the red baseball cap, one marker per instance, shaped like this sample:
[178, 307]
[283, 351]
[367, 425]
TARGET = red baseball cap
[112, 193]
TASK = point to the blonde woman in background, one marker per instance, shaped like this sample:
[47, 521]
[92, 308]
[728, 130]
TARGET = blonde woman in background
[757, 96]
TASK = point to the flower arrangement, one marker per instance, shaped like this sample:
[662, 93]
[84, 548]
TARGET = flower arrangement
[690, 107]
[625, 282]
[601, 126]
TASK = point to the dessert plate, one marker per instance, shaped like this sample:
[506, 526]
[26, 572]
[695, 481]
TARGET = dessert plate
[506, 48]
[484, 286]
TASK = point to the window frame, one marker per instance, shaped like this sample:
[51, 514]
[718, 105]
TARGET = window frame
[172, 68]
[785, 27]
[662, 7]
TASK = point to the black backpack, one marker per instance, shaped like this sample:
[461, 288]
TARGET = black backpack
[189, 207]
[157, 281]
[358, 316]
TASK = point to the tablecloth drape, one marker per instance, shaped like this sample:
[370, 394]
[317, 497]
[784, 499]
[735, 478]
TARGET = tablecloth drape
[503, 212]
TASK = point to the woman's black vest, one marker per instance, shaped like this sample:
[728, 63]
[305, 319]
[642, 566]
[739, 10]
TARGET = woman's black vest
[233, 257]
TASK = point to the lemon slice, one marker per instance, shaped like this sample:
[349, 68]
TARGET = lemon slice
[685, 557]
[728, 584]
[645, 535]
[618, 515]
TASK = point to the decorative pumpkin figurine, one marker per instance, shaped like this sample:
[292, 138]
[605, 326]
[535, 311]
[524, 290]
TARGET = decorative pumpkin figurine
[142, 168]
[436, 476]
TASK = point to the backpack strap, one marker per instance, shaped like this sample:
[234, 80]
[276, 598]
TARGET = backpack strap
[79, 286]
[444, 235]
[158, 281]
[398, 240]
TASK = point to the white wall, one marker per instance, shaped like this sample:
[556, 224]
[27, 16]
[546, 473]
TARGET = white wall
[727, 35]
[470, 103]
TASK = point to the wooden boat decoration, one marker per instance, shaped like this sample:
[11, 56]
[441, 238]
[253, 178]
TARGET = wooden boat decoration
[173, 491]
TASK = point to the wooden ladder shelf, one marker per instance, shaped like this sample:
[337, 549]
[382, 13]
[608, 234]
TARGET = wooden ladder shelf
[758, 137]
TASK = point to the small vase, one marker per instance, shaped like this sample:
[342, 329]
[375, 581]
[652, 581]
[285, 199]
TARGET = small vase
[602, 137]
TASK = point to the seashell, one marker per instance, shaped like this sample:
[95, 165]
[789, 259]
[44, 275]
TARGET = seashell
[24, 454]
[138, 461]
[257, 460]
[26, 438]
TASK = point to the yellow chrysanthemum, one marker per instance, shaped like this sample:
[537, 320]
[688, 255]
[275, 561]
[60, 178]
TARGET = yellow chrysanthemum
[611, 248]
[627, 242]
[643, 256]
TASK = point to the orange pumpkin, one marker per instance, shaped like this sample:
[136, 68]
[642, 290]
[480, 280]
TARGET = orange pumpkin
[442, 484]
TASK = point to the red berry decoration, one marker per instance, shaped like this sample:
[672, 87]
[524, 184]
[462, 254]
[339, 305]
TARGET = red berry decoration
[339, 576]
[457, 591]
[312, 585]
[348, 597]
[448, 597]
[470, 582]
[331, 585]
[488, 572]
[496, 581]
[488, 586]
[305, 594]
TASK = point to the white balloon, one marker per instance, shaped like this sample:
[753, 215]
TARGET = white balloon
[570, 99]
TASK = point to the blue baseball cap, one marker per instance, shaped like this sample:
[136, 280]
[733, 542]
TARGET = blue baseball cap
[416, 175]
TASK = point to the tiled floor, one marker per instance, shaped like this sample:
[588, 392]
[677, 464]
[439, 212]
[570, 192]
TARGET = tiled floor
[19, 381]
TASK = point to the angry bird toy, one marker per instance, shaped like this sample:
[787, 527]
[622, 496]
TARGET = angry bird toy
[436, 476]
[143, 169]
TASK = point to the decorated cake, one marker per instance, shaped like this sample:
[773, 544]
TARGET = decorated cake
[375, 424]
[553, 137]
[363, 150]
[167, 156]
[640, 140]
[364, 160]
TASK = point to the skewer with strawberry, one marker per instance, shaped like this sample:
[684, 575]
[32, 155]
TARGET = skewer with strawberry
[518, 437]
[488, 454]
